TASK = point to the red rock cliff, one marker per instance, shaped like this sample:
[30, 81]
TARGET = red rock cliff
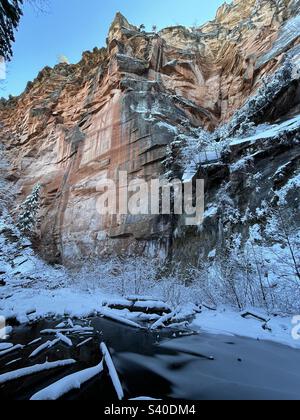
[117, 109]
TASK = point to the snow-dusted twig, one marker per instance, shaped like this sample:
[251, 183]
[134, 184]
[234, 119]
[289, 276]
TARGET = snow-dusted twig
[34, 342]
[31, 370]
[67, 384]
[76, 330]
[112, 371]
[84, 342]
[12, 362]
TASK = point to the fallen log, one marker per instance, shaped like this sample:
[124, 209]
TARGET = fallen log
[248, 314]
[137, 298]
[31, 370]
[179, 316]
[112, 371]
[161, 322]
[121, 320]
[68, 383]
[146, 306]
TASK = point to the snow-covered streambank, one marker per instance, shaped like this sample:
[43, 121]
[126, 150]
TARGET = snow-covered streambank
[224, 320]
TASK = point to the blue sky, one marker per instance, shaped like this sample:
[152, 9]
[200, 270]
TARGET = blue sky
[69, 27]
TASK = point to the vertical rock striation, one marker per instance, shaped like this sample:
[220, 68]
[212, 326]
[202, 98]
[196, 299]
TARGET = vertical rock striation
[121, 106]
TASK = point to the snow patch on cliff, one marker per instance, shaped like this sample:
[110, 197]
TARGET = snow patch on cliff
[269, 131]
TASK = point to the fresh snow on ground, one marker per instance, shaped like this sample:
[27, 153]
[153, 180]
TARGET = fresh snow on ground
[78, 303]
[229, 322]
[59, 303]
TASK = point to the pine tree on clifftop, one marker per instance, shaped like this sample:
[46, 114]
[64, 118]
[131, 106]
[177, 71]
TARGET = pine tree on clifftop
[10, 14]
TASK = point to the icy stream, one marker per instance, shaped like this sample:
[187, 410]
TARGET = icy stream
[159, 365]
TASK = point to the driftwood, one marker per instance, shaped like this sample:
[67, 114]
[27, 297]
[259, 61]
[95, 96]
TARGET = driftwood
[163, 321]
[177, 317]
[248, 314]
[111, 315]
[75, 330]
[186, 317]
[148, 307]
[112, 371]
[151, 311]
[209, 307]
[136, 298]
[266, 327]
[178, 325]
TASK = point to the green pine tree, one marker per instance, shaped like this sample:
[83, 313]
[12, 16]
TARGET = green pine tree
[10, 14]
[28, 211]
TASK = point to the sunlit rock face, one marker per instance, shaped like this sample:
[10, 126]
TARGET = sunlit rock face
[120, 107]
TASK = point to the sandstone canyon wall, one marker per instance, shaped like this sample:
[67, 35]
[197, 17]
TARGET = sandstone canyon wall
[120, 108]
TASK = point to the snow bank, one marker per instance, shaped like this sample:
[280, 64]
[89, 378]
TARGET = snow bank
[57, 303]
[228, 322]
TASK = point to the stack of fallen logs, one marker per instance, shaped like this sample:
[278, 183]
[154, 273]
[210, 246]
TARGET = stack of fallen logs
[135, 311]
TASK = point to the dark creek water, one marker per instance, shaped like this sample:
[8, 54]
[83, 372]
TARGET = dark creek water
[160, 366]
